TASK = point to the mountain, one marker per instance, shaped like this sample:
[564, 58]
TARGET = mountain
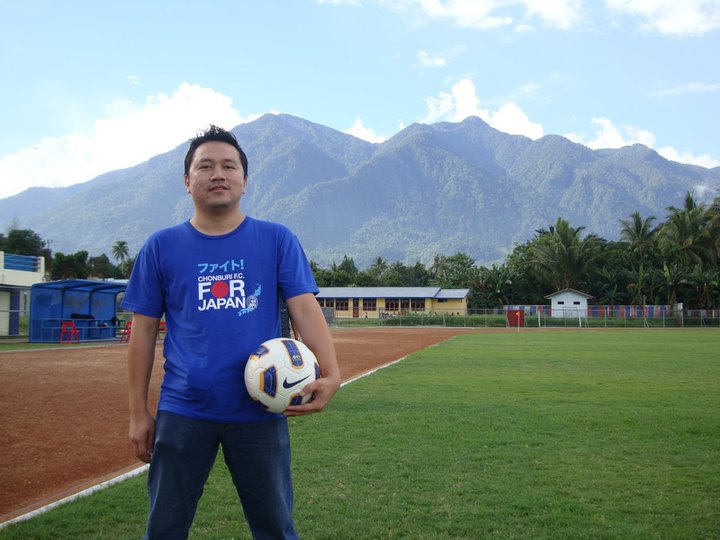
[429, 190]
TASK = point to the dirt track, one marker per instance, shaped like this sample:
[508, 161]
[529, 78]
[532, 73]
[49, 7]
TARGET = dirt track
[64, 411]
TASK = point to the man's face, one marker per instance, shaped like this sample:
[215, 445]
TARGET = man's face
[216, 179]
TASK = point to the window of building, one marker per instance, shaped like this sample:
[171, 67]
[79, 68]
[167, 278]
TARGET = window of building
[561, 302]
[341, 304]
[369, 304]
[417, 304]
[392, 304]
[576, 303]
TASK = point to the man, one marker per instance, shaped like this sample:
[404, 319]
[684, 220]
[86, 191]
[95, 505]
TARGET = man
[218, 281]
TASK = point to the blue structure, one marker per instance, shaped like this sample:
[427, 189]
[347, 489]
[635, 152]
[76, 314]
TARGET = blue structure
[91, 304]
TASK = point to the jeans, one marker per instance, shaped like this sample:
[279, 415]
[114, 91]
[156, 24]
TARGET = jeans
[257, 455]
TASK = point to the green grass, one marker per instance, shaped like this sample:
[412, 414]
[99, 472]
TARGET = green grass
[565, 434]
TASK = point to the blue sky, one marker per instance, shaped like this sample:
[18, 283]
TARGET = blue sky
[90, 86]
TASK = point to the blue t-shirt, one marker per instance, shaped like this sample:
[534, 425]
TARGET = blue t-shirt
[220, 298]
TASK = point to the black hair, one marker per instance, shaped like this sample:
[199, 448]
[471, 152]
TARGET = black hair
[214, 133]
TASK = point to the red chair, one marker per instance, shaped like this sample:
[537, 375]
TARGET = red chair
[69, 332]
[125, 333]
[162, 329]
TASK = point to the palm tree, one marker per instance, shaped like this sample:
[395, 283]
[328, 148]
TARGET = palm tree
[439, 269]
[673, 281]
[121, 252]
[712, 230]
[377, 272]
[494, 285]
[704, 283]
[683, 236]
[639, 233]
[643, 284]
[563, 255]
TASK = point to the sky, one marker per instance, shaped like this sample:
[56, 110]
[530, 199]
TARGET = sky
[89, 87]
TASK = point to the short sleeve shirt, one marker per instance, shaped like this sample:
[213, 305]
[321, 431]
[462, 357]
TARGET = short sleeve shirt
[220, 297]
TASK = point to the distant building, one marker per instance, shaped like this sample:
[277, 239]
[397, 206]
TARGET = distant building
[17, 274]
[376, 302]
[569, 303]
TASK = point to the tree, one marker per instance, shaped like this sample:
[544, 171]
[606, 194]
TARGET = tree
[376, 274]
[683, 236]
[456, 271]
[102, 267]
[712, 230]
[639, 233]
[344, 274]
[121, 252]
[564, 256]
[704, 284]
[23, 242]
[493, 286]
[673, 280]
[70, 266]
[322, 275]
[528, 285]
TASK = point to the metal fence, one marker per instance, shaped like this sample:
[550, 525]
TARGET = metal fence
[480, 318]
[637, 317]
[14, 323]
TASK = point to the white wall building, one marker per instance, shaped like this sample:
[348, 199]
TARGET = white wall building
[568, 303]
[17, 274]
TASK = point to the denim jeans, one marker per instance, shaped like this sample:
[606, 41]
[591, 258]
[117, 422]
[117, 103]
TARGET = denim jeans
[257, 455]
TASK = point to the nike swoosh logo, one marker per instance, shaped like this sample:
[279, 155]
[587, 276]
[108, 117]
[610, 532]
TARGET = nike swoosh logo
[286, 384]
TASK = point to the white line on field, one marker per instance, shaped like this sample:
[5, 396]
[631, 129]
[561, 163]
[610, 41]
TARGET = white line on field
[78, 495]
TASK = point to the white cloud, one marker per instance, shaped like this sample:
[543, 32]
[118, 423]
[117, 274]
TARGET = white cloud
[475, 14]
[456, 105]
[703, 160]
[492, 14]
[359, 130]
[674, 17]
[428, 61]
[129, 135]
[462, 101]
[689, 88]
[511, 119]
[610, 136]
[562, 14]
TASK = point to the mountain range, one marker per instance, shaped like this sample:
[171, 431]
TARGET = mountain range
[430, 190]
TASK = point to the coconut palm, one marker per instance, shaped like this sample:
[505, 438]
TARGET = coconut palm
[639, 233]
[704, 282]
[683, 236]
[563, 255]
[121, 253]
[712, 230]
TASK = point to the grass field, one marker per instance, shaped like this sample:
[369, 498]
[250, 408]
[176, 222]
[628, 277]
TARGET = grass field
[564, 434]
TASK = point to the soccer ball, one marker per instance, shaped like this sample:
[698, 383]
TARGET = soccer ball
[277, 371]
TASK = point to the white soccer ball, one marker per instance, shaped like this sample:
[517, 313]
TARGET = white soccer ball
[277, 371]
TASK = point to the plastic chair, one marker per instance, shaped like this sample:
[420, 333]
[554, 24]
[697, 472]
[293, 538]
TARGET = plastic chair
[69, 332]
[125, 333]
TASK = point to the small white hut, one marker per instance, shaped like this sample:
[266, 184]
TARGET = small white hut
[569, 303]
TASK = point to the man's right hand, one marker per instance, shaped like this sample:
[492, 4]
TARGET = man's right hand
[142, 435]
